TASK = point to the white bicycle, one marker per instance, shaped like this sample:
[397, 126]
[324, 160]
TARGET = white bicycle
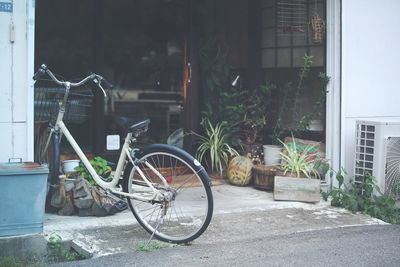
[168, 191]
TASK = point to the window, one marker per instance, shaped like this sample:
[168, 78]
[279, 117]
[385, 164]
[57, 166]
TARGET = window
[288, 32]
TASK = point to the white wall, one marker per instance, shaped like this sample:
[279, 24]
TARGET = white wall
[370, 67]
[16, 89]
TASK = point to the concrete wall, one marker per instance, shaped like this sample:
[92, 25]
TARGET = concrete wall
[16, 88]
[370, 67]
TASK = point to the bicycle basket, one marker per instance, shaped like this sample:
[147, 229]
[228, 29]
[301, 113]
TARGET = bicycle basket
[77, 109]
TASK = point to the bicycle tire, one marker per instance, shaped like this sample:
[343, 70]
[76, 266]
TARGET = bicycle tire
[188, 215]
[54, 164]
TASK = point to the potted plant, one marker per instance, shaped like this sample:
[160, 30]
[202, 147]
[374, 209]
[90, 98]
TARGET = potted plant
[214, 148]
[314, 120]
[101, 167]
[252, 107]
[298, 179]
[297, 113]
[249, 128]
[248, 132]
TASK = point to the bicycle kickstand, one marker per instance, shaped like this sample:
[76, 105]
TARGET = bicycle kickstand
[155, 229]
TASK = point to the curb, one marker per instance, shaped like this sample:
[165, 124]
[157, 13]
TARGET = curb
[36, 245]
[20, 246]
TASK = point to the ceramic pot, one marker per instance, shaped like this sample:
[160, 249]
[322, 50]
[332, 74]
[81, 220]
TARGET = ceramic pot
[70, 165]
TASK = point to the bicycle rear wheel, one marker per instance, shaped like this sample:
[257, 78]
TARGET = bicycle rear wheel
[187, 210]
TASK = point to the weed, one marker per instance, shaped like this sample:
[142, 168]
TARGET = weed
[364, 196]
[152, 246]
[58, 252]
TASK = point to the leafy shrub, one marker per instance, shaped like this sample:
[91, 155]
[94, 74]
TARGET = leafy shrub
[360, 197]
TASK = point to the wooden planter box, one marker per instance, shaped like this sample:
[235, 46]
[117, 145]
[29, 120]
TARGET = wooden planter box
[263, 177]
[297, 189]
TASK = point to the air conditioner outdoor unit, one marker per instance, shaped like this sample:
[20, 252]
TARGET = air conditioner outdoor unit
[378, 152]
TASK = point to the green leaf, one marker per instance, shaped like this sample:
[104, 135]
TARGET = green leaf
[340, 178]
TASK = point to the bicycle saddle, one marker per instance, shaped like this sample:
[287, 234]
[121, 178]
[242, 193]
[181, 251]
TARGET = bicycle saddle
[144, 124]
[134, 125]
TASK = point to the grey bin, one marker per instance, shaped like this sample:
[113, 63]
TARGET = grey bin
[23, 188]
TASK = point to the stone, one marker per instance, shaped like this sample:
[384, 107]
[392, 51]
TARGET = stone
[97, 208]
[80, 189]
[82, 249]
[69, 185]
[84, 202]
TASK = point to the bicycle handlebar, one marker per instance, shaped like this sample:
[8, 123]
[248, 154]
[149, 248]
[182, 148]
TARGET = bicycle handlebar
[97, 79]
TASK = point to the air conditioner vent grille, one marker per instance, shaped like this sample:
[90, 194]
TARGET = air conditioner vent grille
[364, 150]
[392, 168]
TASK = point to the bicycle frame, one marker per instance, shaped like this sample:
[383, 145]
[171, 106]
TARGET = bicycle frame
[126, 152]
[112, 185]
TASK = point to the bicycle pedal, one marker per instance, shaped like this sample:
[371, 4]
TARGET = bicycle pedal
[121, 205]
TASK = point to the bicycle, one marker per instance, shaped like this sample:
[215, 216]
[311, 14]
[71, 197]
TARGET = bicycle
[167, 190]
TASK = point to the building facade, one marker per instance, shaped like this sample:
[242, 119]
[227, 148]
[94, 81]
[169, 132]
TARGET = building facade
[360, 55]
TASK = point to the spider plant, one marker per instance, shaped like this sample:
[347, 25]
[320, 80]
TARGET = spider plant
[214, 146]
[299, 163]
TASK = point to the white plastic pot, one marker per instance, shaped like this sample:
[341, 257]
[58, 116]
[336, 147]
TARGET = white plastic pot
[272, 154]
[70, 165]
[316, 125]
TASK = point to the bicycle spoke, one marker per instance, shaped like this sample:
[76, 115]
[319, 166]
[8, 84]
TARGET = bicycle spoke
[186, 181]
[152, 207]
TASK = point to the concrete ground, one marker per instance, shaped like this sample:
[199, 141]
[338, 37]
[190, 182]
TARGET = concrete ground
[234, 208]
[236, 205]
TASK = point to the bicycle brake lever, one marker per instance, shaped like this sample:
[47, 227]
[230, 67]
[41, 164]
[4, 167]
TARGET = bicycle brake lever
[41, 71]
[108, 85]
[98, 80]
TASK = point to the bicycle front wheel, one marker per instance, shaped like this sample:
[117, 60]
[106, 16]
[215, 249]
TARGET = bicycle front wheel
[47, 151]
[186, 211]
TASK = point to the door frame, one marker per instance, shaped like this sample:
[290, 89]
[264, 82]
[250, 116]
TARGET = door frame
[191, 104]
[334, 120]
